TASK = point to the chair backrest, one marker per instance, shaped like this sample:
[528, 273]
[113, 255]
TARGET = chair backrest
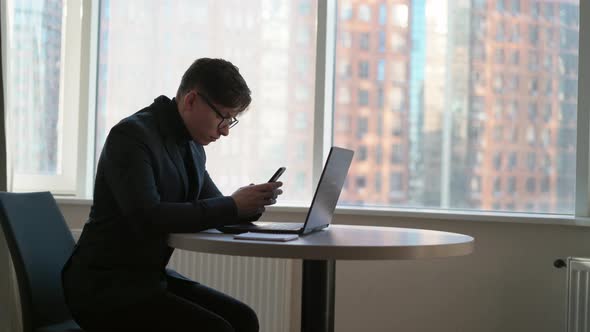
[40, 243]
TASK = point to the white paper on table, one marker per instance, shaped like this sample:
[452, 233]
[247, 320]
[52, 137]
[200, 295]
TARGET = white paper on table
[266, 237]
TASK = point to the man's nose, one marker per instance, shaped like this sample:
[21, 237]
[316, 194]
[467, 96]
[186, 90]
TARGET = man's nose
[224, 131]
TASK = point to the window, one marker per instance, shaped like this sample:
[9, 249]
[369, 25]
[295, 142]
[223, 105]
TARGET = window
[364, 12]
[398, 72]
[497, 186]
[498, 160]
[381, 41]
[531, 161]
[399, 15]
[397, 99]
[531, 185]
[378, 182]
[504, 119]
[533, 34]
[378, 154]
[364, 69]
[382, 14]
[380, 104]
[345, 10]
[362, 153]
[42, 132]
[516, 7]
[363, 97]
[346, 39]
[516, 69]
[345, 69]
[499, 55]
[511, 190]
[362, 127]
[515, 58]
[381, 70]
[512, 161]
[361, 182]
[344, 95]
[398, 42]
[283, 99]
[396, 185]
[397, 156]
[364, 41]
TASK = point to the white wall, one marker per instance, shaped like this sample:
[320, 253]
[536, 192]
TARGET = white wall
[508, 283]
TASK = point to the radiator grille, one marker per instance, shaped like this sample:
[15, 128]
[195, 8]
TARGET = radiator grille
[578, 289]
[262, 283]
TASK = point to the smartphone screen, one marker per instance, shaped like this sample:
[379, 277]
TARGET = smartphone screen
[277, 174]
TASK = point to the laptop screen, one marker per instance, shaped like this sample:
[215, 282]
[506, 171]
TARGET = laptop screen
[328, 190]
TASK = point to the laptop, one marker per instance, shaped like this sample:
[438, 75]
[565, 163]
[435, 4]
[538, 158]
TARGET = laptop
[319, 215]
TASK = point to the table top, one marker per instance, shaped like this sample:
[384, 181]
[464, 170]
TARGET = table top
[341, 242]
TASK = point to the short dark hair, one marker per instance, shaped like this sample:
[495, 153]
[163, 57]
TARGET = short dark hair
[219, 80]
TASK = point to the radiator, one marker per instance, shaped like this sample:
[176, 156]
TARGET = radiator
[263, 283]
[578, 294]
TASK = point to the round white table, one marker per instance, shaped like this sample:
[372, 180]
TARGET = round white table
[320, 251]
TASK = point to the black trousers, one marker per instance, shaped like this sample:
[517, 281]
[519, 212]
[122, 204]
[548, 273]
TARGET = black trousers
[185, 306]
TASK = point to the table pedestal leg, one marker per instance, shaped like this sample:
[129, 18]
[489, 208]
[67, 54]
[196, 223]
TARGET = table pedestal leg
[317, 306]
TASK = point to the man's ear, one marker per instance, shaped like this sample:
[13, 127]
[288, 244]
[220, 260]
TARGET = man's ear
[189, 99]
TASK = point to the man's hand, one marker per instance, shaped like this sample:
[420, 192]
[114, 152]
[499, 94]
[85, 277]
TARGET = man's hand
[252, 199]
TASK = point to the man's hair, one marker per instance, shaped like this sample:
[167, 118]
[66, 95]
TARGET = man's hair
[219, 80]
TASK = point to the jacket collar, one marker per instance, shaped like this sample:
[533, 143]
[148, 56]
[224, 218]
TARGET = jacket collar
[171, 123]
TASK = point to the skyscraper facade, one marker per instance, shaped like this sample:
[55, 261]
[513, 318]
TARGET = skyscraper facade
[472, 103]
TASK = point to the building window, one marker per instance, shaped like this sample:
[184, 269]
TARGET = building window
[345, 10]
[531, 161]
[364, 41]
[378, 182]
[362, 127]
[346, 39]
[545, 184]
[497, 186]
[512, 161]
[361, 182]
[398, 42]
[364, 13]
[381, 70]
[364, 69]
[397, 156]
[511, 190]
[395, 183]
[498, 160]
[362, 153]
[382, 14]
[381, 41]
[531, 185]
[399, 15]
[363, 96]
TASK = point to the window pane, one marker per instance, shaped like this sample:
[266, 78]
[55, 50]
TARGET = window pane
[146, 45]
[493, 129]
[33, 85]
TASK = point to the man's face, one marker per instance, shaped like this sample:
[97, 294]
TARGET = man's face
[202, 120]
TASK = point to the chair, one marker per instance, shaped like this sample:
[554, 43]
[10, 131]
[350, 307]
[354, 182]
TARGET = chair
[40, 243]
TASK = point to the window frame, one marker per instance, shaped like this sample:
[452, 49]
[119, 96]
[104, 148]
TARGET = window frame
[82, 49]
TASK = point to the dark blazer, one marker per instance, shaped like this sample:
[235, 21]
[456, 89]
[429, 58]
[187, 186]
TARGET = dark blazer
[144, 189]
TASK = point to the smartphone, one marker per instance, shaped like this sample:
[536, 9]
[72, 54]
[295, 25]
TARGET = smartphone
[277, 174]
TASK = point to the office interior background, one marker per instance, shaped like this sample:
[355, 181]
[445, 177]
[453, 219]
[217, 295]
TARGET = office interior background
[464, 115]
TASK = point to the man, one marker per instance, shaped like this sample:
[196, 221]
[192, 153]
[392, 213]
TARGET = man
[151, 181]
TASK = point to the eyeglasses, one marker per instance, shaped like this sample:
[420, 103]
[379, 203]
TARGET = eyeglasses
[226, 122]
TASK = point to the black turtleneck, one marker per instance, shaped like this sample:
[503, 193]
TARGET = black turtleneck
[184, 140]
